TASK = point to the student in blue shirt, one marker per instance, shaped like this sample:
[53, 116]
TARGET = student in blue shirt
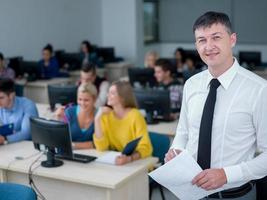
[81, 117]
[16, 110]
[49, 64]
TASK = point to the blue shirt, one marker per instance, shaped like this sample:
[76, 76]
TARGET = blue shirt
[22, 109]
[50, 71]
[78, 134]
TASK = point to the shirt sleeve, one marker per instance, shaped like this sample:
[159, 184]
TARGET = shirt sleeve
[30, 110]
[102, 96]
[255, 168]
[144, 146]
[181, 137]
[102, 144]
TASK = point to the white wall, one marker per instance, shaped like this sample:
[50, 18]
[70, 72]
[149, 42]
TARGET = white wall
[28, 25]
[122, 27]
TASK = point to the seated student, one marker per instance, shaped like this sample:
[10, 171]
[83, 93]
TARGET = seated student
[81, 117]
[115, 127]
[88, 75]
[16, 110]
[5, 72]
[88, 56]
[150, 59]
[179, 55]
[49, 64]
[164, 77]
[190, 68]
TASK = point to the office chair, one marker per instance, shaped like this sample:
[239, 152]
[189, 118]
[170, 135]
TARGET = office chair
[161, 145]
[11, 191]
[19, 90]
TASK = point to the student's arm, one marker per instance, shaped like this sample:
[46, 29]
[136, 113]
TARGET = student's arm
[144, 147]
[100, 140]
[30, 110]
[83, 145]
[102, 96]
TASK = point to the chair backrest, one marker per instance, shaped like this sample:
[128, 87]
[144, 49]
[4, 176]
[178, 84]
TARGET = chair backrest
[10, 191]
[19, 90]
[161, 145]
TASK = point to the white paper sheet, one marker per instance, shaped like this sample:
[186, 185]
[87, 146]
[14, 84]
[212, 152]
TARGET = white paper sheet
[177, 174]
[109, 157]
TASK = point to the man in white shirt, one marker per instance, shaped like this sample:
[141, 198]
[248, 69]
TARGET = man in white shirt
[239, 125]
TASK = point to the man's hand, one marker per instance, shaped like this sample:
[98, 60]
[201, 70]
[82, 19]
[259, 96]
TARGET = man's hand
[171, 154]
[210, 179]
[2, 139]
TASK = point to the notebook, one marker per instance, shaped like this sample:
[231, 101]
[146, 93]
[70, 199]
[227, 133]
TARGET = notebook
[110, 157]
[6, 129]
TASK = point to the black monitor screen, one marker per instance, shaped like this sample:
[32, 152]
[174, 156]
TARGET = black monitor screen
[62, 94]
[142, 76]
[251, 59]
[155, 102]
[32, 69]
[55, 135]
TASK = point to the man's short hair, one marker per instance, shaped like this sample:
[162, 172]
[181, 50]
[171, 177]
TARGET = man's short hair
[164, 64]
[1, 56]
[7, 85]
[209, 18]
[89, 68]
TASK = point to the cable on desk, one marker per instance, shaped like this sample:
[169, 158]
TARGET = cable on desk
[31, 181]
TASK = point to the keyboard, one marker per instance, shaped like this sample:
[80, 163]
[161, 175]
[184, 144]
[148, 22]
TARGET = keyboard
[77, 158]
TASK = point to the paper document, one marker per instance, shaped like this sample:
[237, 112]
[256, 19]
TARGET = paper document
[109, 157]
[177, 174]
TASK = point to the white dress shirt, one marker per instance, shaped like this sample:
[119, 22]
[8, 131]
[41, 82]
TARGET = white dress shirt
[239, 123]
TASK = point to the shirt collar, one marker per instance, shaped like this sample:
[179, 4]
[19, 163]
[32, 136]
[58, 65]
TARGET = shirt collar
[14, 106]
[227, 77]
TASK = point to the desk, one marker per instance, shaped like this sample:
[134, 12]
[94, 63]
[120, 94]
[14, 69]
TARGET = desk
[37, 90]
[74, 180]
[166, 128]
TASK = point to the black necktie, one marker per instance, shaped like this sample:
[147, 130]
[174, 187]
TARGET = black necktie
[204, 142]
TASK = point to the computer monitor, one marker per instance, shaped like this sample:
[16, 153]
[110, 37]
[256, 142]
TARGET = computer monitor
[106, 53]
[142, 76]
[250, 58]
[54, 135]
[32, 69]
[15, 64]
[62, 94]
[73, 60]
[155, 102]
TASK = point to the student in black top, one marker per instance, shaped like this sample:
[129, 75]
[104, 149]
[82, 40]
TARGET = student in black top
[165, 79]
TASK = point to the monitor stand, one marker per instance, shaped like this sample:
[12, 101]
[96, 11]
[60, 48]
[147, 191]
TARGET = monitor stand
[150, 118]
[51, 161]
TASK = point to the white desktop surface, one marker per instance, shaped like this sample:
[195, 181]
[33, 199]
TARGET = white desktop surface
[100, 181]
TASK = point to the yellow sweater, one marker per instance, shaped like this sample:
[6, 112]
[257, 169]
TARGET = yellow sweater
[118, 132]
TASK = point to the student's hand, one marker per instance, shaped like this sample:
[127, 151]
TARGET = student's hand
[2, 139]
[210, 179]
[103, 110]
[122, 159]
[59, 113]
[171, 154]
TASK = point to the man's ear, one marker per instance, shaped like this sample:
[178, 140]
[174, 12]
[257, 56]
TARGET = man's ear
[233, 39]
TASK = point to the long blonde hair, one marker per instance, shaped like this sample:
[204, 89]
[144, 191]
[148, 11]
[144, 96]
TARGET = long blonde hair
[88, 88]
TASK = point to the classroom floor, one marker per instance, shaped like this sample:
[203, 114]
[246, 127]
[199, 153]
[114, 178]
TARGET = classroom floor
[168, 195]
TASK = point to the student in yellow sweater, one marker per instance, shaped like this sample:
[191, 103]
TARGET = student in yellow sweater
[115, 127]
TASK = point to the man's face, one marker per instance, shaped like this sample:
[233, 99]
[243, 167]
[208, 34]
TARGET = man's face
[160, 74]
[6, 100]
[214, 45]
[87, 77]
